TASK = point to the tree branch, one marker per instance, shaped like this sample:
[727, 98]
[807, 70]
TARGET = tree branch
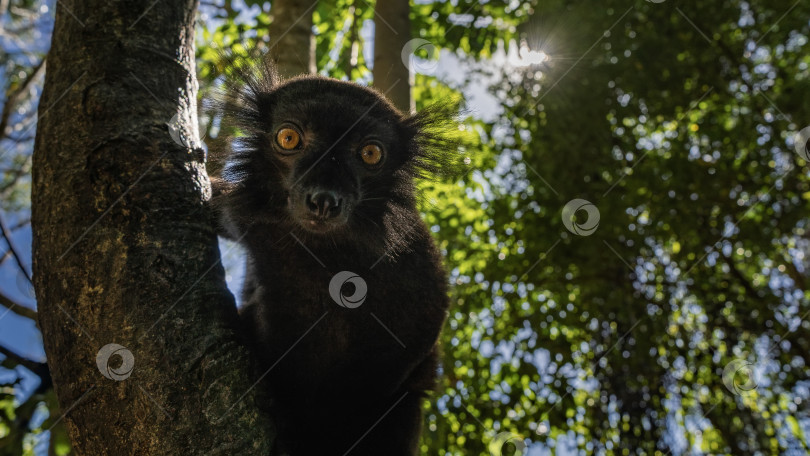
[17, 308]
[6, 233]
[3, 11]
[292, 45]
[16, 174]
[794, 274]
[350, 61]
[392, 30]
[14, 97]
[29, 364]
[746, 284]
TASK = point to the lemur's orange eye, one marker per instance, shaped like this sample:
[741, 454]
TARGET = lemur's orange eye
[288, 139]
[371, 154]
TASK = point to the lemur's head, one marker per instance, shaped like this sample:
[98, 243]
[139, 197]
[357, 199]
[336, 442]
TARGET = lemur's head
[327, 158]
[335, 149]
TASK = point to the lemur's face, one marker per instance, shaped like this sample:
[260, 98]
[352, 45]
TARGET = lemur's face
[335, 150]
[330, 156]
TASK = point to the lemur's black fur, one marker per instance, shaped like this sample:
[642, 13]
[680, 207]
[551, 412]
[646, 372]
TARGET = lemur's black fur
[340, 378]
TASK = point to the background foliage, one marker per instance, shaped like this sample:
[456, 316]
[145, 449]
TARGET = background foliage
[679, 326]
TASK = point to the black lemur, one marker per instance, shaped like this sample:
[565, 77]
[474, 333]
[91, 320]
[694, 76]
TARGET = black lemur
[320, 180]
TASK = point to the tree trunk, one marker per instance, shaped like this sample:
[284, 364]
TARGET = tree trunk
[392, 31]
[292, 44]
[124, 249]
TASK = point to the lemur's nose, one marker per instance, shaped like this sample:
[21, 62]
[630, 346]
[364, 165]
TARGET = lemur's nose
[324, 203]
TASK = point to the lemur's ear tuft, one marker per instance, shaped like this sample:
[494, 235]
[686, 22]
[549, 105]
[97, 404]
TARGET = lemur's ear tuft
[236, 104]
[245, 78]
[436, 142]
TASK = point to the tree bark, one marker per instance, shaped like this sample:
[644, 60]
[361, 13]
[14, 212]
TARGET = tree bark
[292, 44]
[392, 31]
[124, 249]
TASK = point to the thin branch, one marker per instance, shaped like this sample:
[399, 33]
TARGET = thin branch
[746, 284]
[3, 11]
[33, 366]
[228, 7]
[21, 224]
[14, 32]
[17, 95]
[794, 274]
[6, 233]
[17, 308]
[20, 139]
[15, 175]
[22, 12]
[350, 60]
